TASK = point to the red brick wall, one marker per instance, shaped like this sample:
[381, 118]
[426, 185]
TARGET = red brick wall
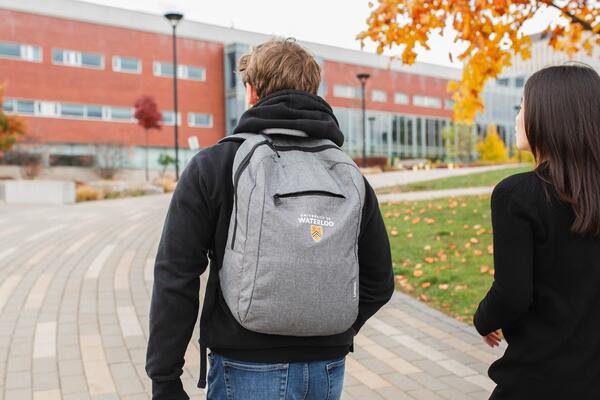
[50, 82]
[389, 81]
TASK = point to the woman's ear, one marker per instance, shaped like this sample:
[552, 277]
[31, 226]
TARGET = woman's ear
[251, 96]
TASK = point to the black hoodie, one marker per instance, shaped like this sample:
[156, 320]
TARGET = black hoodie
[195, 231]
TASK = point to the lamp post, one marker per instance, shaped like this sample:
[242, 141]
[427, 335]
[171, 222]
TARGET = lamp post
[174, 18]
[362, 77]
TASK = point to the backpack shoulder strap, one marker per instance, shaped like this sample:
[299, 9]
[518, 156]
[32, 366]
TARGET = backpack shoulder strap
[238, 137]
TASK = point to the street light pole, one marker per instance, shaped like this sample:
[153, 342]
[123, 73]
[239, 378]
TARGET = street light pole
[362, 77]
[174, 19]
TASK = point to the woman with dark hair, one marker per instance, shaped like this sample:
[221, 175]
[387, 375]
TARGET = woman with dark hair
[546, 292]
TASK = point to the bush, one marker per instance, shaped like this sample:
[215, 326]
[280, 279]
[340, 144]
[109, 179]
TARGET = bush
[88, 193]
[167, 184]
[492, 148]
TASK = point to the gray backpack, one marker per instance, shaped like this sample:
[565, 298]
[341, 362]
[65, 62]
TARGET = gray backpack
[291, 261]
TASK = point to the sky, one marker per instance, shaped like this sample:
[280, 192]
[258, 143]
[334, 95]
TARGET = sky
[332, 22]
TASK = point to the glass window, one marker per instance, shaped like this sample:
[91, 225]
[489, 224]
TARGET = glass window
[121, 114]
[379, 95]
[502, 82]
[195, 73]
[20, 51]
[199, 120]
[348, 92]
[409, 132]
[57, 56]
[8, 105]
[427, 101]
[92, 111]
[11, 50]
[77, 58]
[72, 110]
[519, 81]
[401, 98]
[448, 104]
[168, 118]
[127, 64]
[25, 106]
[163, 69]
[91, 60]
[46, 108]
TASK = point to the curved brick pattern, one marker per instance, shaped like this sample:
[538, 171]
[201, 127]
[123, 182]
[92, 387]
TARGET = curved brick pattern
[75, 287]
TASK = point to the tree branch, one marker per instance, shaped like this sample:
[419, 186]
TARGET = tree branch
[586, 25]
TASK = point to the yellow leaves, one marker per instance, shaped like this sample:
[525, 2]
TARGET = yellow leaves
[492, 148]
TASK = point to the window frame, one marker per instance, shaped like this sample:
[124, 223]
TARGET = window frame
[77, 58]
[191, 123]
[117, 65]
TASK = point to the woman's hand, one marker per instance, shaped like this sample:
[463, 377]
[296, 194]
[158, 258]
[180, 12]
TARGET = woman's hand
[492, 339]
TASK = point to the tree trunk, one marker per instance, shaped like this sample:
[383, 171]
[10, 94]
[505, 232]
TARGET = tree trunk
[147, 178]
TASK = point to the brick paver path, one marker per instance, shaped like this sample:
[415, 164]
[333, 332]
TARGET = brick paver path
[75, 285]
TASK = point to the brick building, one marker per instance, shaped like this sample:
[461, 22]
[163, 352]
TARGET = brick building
[73, 71]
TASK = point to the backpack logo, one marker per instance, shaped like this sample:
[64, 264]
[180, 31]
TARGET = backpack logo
[316, 232]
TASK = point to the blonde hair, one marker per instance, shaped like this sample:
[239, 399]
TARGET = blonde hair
[280, 64]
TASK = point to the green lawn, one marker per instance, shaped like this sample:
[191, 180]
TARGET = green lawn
[442, 251]
[489, 178]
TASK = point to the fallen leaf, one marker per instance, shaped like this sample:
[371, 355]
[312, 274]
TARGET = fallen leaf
[425, 285]
[417, 273]
[443, 286]
[483, 269]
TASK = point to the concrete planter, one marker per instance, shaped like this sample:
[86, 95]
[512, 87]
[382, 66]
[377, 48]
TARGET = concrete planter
[38, 192]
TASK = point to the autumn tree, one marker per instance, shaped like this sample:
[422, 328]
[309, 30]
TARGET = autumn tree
[492, 148]
[11, 127]
[491, 30]
[148, 117]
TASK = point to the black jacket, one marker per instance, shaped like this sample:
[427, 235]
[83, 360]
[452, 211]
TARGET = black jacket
[195, 231]
[545, 296]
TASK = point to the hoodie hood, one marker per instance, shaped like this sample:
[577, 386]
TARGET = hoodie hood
[292, 109]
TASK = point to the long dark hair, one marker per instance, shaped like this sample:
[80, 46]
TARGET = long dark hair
[562, 123]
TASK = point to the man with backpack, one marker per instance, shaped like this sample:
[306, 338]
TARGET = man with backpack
[299, 254]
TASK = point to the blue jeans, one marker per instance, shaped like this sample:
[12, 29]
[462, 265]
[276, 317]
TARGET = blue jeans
[242, 380]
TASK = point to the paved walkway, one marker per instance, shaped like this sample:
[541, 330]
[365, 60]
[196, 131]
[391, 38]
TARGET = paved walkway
[387, 179]
[75, 285]
[433, 194]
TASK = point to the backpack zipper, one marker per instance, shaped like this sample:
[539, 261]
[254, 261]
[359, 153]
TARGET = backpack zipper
[277, 197]
[244, 163]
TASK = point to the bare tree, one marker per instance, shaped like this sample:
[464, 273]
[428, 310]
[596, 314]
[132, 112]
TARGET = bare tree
[110, 158]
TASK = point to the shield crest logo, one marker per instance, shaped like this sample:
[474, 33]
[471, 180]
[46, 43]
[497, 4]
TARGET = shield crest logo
[316, 232]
